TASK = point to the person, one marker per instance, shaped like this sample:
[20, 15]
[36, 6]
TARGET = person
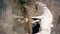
[35, 27]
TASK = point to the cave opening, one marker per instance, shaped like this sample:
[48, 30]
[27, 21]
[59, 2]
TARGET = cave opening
[35, 26]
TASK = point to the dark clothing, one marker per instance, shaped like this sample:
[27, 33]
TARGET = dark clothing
[35, 28]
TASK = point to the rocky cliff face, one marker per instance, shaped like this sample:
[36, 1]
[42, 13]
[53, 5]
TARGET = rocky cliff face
[23, 10]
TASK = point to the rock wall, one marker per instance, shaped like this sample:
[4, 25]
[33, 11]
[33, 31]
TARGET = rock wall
[19, 25]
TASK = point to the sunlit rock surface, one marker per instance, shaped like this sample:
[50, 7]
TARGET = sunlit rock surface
[10, 25]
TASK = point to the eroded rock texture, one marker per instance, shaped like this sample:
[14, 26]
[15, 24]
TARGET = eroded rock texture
[15, 15]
